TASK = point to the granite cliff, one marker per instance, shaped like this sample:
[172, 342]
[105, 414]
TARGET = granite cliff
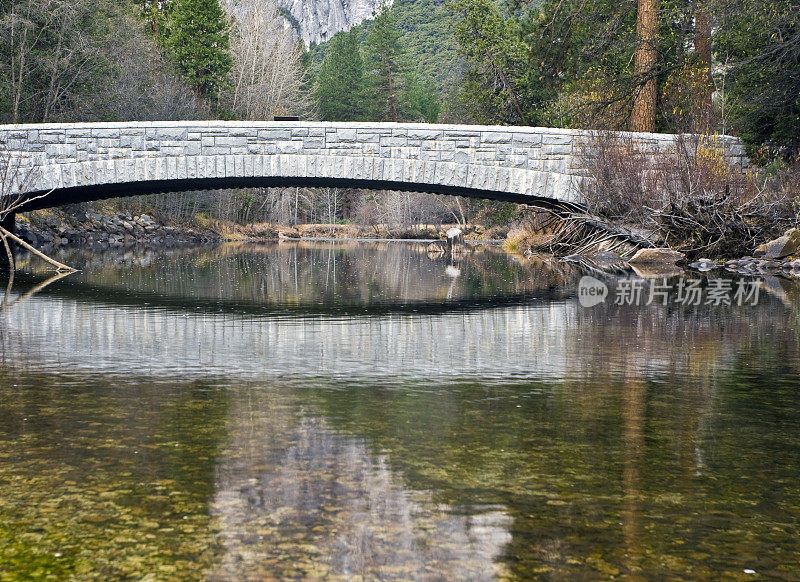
[316, 21]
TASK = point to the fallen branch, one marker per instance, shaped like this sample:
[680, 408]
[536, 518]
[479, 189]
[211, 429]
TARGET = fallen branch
[59, 266]
[580, 232]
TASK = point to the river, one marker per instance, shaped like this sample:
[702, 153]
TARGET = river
[368, 410]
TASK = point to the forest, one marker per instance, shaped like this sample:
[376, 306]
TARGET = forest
[675, 66]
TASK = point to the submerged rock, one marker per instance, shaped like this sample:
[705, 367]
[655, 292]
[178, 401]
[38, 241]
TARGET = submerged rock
[656, 257]
[606, 260]
[704, 265]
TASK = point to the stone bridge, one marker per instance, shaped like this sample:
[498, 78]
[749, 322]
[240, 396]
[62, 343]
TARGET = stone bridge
[88, 161]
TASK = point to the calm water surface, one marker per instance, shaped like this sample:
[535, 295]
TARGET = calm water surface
[367, 411]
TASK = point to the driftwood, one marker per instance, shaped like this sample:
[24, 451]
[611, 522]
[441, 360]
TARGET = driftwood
[577, 232]
[5, 235]
[718, 227]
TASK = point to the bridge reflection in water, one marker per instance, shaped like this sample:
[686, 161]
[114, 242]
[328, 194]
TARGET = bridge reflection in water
[291, 311]
[335, 310]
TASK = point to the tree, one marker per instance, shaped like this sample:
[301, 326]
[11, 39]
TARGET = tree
[643, 116]
[267, 74]
[760, 42]
[702, 47]
[198, 40]
[340, 83]
[497, 84]
[579, 57]
[16, 178]
[49, 56]
[423, 98]
[386, 67]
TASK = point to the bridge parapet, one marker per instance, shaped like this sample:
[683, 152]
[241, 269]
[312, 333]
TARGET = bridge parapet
[512, 163]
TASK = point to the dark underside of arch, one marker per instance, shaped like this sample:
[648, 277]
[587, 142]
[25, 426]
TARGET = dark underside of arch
[62, 196]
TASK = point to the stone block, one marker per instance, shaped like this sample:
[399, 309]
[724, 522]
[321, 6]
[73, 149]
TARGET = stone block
[313, 142]
[289, 147]
[424, 134]
[192, 167]
[170, 133]
[526, 140]
[274, 134]
[461, 156]
[106, 133]
[368, 137]
[457, 133]
[347, 135]
[52, 137]
[496, 137]
[241, 131]
[133, 142]
[557, 149]
[556, 139]
[430, 155]
[230, 142]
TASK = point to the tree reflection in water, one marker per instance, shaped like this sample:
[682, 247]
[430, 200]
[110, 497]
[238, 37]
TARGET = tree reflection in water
[295, 498]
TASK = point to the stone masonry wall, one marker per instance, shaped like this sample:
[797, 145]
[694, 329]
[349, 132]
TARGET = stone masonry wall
[518, 160]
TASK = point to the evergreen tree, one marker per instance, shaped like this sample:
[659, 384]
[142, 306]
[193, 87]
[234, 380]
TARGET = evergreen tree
[423, 99]
[387, 68]
[497, 86]
[759, 40]
[339, 89]
[198, 40]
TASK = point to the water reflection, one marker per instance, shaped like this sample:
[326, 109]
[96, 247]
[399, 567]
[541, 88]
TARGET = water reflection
[389, 414]
[321, 504]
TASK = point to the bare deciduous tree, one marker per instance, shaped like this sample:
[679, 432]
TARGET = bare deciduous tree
[51, 55]
[267, 74]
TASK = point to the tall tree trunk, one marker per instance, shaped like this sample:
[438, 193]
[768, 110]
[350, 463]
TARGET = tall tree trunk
[19, 51]
[392, 104]
[643, 116]
[702, 47]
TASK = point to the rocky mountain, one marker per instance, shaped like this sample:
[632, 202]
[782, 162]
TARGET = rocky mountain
[318, 20]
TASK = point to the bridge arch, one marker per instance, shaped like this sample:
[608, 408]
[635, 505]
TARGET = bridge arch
[88, 161]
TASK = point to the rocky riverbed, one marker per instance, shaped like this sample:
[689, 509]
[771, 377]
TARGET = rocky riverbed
[88, 227]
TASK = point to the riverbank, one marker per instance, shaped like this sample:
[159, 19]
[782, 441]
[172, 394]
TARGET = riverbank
[88, 226]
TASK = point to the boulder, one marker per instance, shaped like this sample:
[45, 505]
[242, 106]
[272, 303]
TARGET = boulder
[783, 246]
[656, 257]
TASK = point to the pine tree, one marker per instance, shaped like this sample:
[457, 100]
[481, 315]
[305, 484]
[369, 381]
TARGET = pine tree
[643, 116]
[339, 89]
[386, 67]
[498, 76]
[198, 40]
